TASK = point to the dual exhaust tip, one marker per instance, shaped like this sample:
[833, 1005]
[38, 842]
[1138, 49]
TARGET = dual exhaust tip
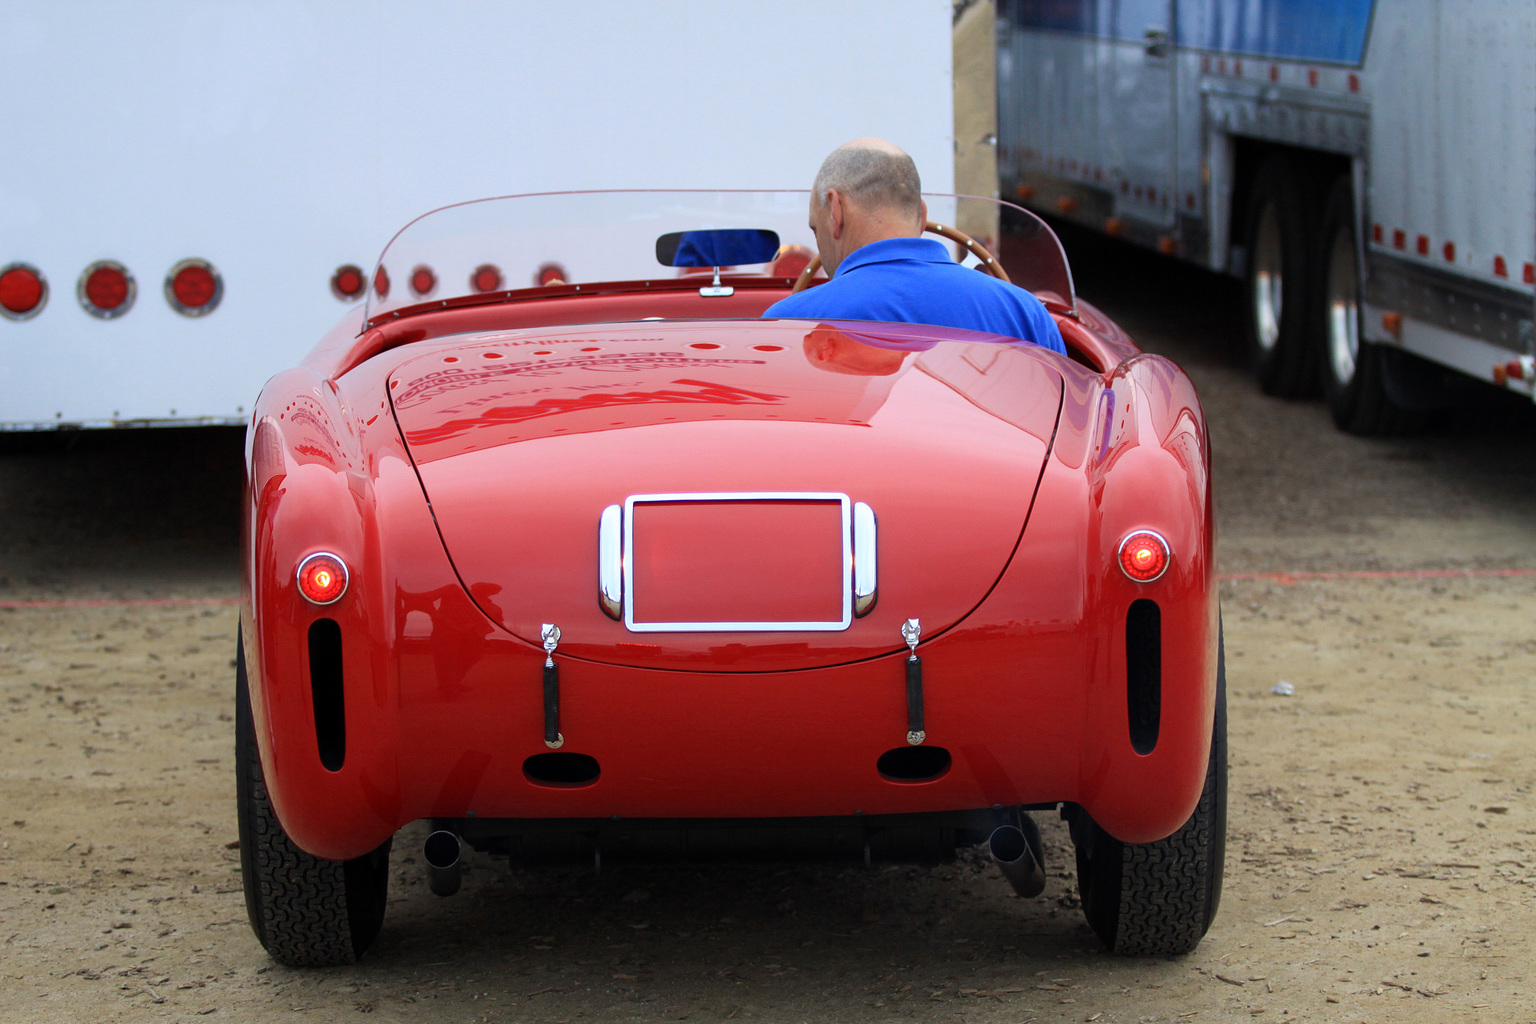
[1014, 848]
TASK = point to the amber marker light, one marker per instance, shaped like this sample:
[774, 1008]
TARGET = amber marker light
[1144, 556]
[322, 578]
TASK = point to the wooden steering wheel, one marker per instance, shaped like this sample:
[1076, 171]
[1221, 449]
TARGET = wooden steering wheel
[975, 248]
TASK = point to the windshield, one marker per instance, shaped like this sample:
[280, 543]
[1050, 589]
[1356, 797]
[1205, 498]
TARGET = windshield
[512, 244]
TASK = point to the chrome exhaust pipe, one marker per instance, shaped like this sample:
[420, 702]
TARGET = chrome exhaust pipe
[1017, 853]
[444, 868]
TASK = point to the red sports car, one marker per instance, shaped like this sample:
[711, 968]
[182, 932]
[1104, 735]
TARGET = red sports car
[554, 543]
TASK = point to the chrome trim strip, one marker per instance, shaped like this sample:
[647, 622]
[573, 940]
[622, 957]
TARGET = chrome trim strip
[823, 626]
[610, 562]
[865, 572]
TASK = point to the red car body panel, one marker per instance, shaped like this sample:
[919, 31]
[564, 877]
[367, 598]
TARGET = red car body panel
[1004, 478]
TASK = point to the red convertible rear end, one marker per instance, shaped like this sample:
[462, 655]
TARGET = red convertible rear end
[604, 565]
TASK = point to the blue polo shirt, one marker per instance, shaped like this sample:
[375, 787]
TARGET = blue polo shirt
[915, 281]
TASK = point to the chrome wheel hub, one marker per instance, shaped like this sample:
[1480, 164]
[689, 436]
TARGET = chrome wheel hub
[1342, 306]
[1268, 280]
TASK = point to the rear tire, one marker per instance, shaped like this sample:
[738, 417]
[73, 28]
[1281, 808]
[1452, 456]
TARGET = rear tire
[1279, 228]
[1354, 370]
[305, 911]
[1159, 899]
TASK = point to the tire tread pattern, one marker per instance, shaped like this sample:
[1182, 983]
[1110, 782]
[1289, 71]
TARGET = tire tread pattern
[298, 904]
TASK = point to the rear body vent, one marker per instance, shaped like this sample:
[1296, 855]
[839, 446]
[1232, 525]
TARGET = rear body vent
[325, 685]
[1144, 673]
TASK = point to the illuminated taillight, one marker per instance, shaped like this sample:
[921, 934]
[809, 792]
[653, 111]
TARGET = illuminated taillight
[194, 288]
[1144, 556]
[423, 281]
[381, 282]
[106, 289]
[23, 291]
[322, 578]
[348, 283]
[549, 273]
[486, 278]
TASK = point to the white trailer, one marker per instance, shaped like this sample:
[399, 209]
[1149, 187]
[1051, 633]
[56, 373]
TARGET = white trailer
[277, 145]
[1367, 166]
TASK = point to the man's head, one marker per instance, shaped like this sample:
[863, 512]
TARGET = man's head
[867, 190]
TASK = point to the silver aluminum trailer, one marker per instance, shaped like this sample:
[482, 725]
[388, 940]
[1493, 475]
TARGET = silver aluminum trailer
[282, 144]
[1368, 167]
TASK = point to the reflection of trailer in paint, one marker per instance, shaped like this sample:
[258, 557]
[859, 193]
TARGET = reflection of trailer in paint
[1368, 166]
[194, 192]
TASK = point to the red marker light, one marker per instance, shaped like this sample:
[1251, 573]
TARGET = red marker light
[548, 274]
[423, 281]
[486, 278]
[106, 289]
[322, 578]
[194, 288]
[1144, 556]
[23, 291]
[381, 282]
[348, 283]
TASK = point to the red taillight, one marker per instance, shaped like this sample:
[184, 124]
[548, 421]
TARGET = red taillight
[348, 282]
[194, 288]
[322, 578]
[23, 291]
[549, 273]
[381, 282]
[423, 281]
[1144, 556]
[106, 289]
[486, 278]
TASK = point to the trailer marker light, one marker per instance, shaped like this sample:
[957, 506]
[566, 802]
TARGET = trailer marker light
[1449, 250]
[549, 274]
[23, 291]
[106, 289]
[1530, 273]
[1500, 268]
[1423, 245]
[423, 281]
[486, 278]
[194, 288]
[381, 282]
[1144, 556]
[349, 282]
[322, 578]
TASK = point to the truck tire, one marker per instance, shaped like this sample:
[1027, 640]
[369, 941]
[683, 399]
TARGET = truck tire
[1280, 224]
[305, 911]
[1158, 899]
[1354, 370]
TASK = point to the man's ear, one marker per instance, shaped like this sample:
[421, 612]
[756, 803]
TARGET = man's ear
[836, 212]
[922, 215]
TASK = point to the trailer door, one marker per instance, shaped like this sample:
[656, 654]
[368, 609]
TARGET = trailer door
[1136, 84]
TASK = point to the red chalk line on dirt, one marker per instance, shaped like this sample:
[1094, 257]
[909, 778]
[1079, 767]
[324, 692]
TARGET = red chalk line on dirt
[1234, 577]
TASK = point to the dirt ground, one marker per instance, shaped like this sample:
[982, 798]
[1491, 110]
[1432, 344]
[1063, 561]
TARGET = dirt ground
[1382, 847]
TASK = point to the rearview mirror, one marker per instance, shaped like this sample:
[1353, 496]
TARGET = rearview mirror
[717, 247]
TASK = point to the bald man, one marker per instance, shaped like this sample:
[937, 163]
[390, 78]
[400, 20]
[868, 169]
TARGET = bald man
[867, 212]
